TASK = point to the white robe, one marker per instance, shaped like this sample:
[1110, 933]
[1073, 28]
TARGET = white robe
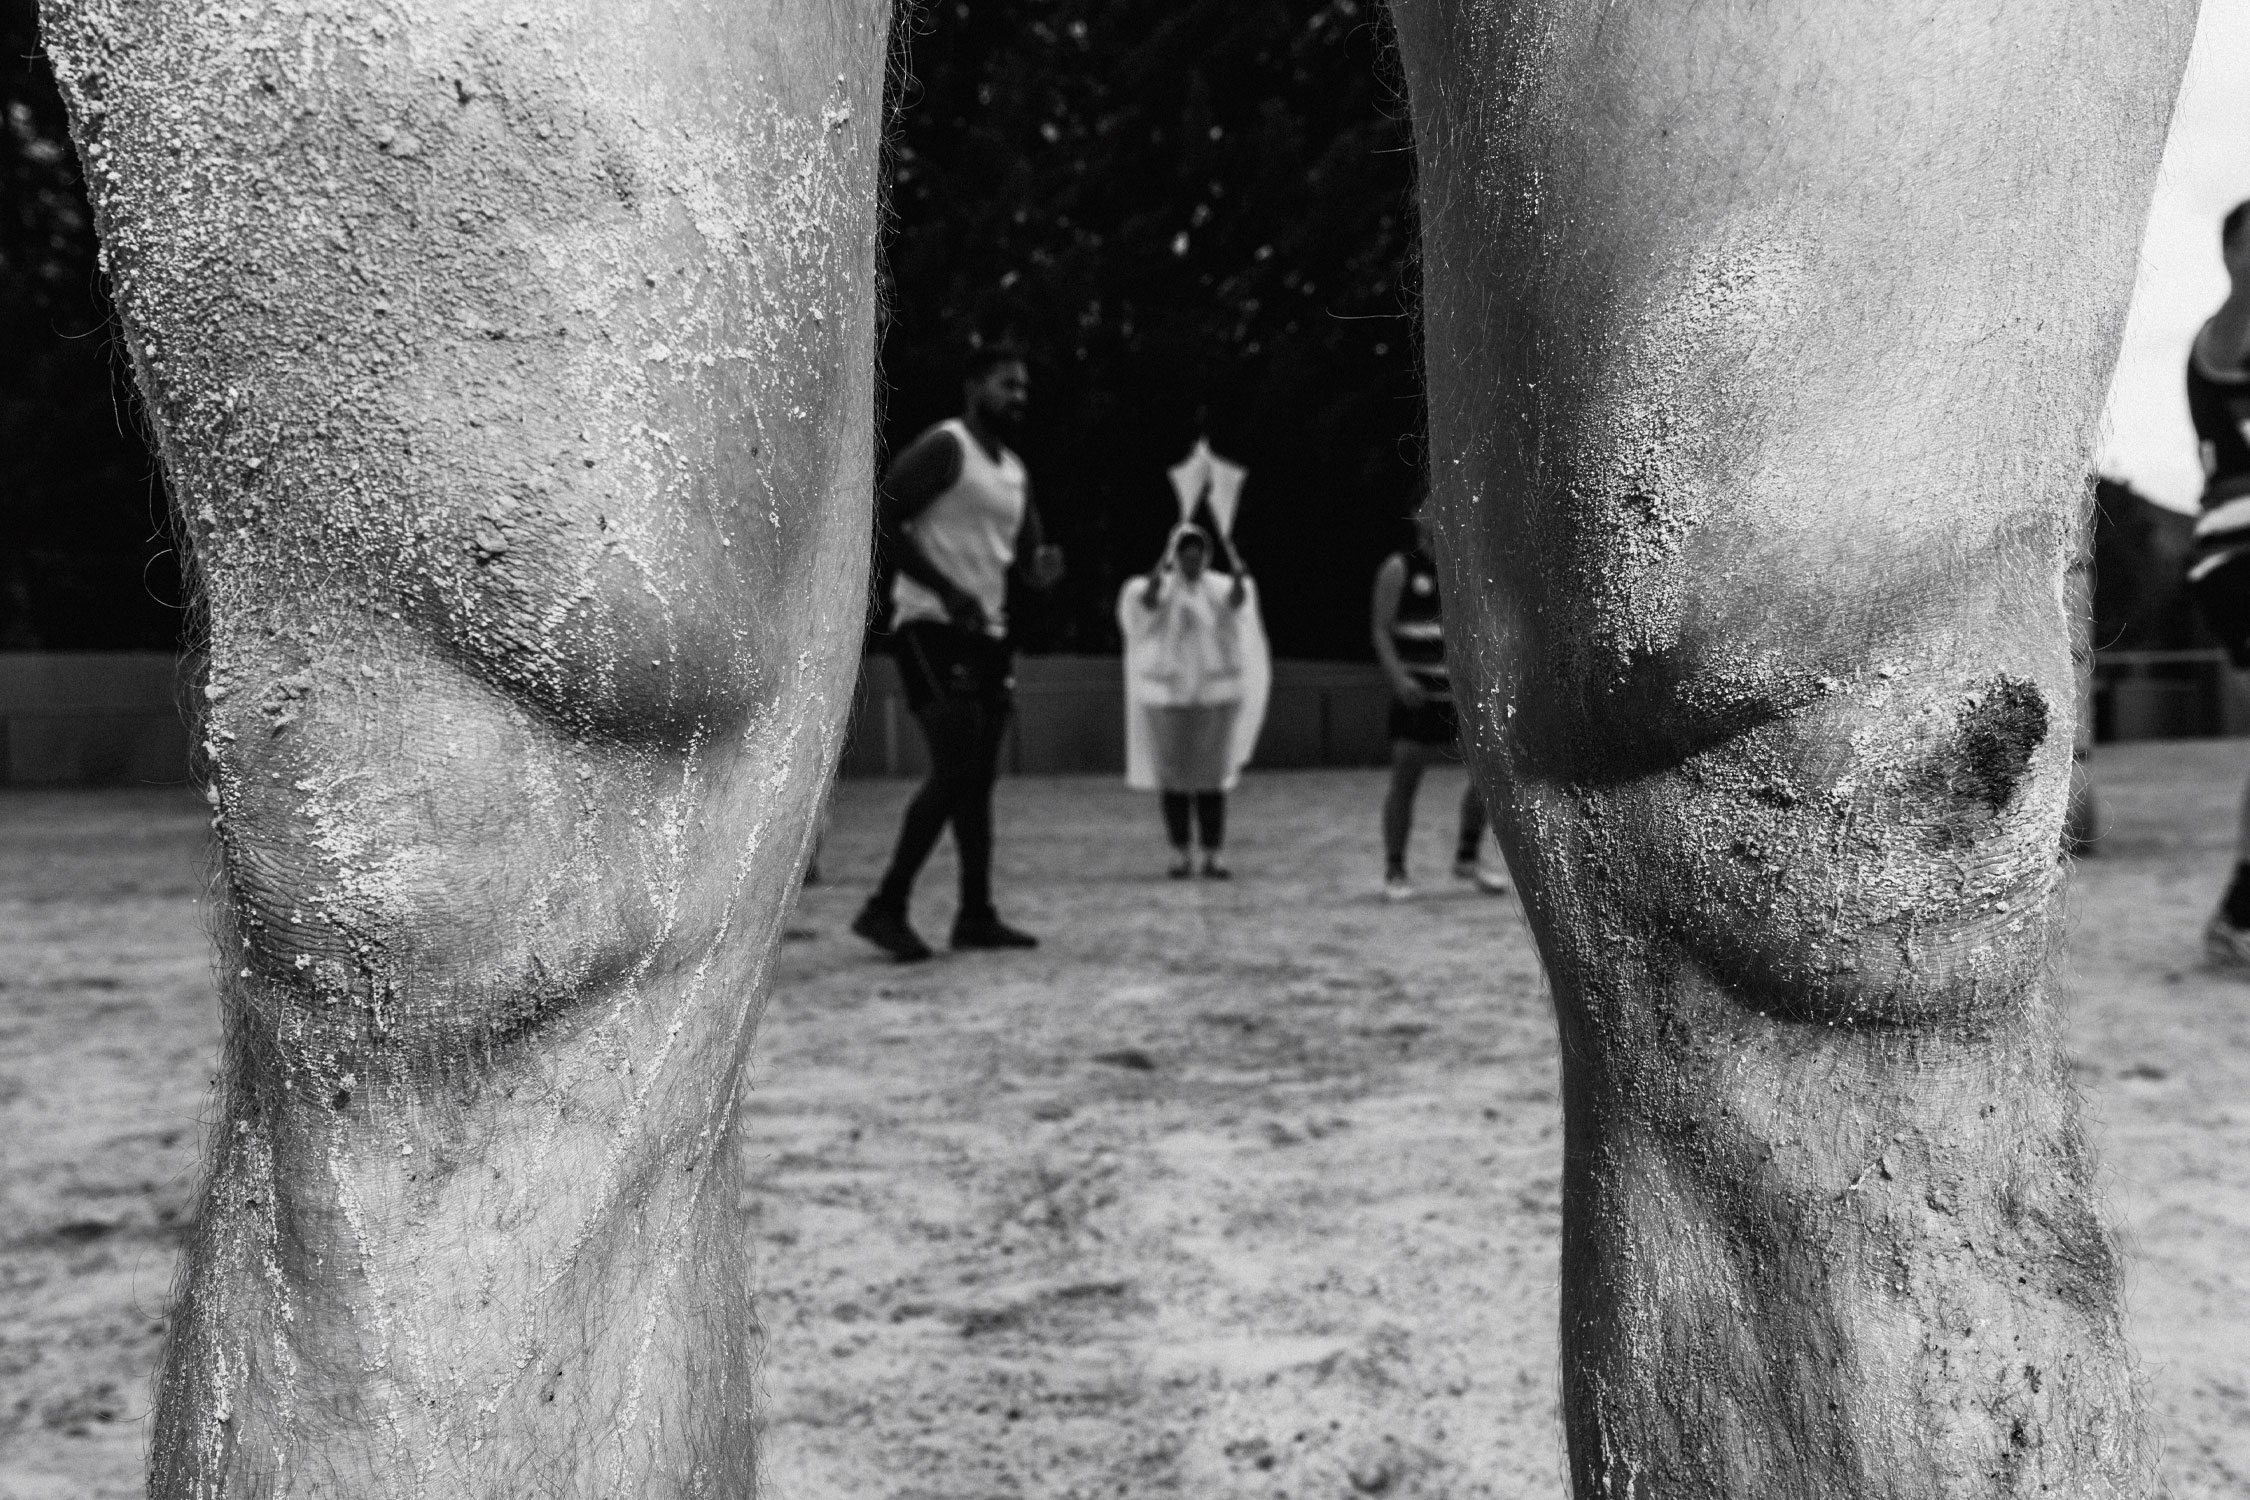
[1192, 650]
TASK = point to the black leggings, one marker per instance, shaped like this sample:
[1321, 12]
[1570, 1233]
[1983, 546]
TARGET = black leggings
[963, 733]
[1210, 810]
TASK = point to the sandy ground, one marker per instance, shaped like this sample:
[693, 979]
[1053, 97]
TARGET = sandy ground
[1241, 1189]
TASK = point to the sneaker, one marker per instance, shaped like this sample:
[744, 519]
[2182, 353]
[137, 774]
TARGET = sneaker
[888, 931]
[1213, 870]
[1488, 880]
[2226, 945]
[988, 931]
[1396, 887]
[1183, 865]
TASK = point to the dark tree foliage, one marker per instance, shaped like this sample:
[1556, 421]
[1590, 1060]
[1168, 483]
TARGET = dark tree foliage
[84, 560]
[1198, 215]
[1200, 219]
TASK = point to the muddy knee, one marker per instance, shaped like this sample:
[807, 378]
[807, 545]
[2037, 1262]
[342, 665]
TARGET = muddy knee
[514, 409]
[1882, 856]
[472, 337]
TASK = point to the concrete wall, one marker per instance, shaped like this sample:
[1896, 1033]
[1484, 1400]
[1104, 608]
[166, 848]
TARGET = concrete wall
[92, 718]
[118, 718]
[114, 718]
[1070, 716]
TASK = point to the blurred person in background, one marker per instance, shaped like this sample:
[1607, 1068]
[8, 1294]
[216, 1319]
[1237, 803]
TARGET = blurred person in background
[1197, 673]
[957, 521]
[1409, 635]
[2218, 390]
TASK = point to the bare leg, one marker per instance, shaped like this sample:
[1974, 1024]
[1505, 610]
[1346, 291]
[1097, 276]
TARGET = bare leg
[1468, 837]
[512, 370]
[2234, 901]
[1407, 762]
[1764, 344]
[2242, 828]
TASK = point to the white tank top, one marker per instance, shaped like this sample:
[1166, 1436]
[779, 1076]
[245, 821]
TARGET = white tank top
[969, 532]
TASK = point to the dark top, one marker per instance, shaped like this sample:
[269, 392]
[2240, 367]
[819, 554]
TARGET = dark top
[1418, 631]
[2219, 403]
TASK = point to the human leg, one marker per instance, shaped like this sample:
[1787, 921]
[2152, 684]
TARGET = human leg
[972, 818]
[1211, 831]
[1408, 758]
[1468, 845]
[1211, 820]
[2236, 905]
[531, 624]
[1468, 841]
[2226, 938]
[1178, 808]
[978, 923]
[1722, 292]
[952, 733]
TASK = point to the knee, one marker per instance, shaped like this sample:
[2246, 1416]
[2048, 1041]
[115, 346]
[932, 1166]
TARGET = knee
[497, 379]
[1886, 855]
[420, 870]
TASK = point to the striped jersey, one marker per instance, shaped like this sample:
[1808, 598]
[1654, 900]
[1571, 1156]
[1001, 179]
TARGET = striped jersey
[1418, 630]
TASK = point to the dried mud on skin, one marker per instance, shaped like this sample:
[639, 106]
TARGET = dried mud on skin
[1229, 1190]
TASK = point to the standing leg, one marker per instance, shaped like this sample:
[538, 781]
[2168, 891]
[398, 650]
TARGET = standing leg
[1468, 843]
[512, 372]
[1822, 298]
[1177, 808]
[2227, 938]
[1211, 829]
[1468, 846]
[1408, 757]
[2242, 857]
[951, 733]
[978, 924]
[972, 817]
[1211, 820]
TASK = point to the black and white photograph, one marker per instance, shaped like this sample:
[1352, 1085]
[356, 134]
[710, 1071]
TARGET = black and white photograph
[1148, 750]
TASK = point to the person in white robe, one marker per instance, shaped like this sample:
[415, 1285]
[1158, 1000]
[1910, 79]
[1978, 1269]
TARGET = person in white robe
[1197, 673]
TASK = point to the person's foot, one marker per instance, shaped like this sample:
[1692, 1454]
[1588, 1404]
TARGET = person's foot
[1183, 865]
[988, 931]
[2226, 945]
[1488, 880]
[1396, 887]
[888, 930]
[1213, 870]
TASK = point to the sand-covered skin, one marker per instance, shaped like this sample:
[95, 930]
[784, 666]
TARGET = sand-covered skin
[1228, 1190]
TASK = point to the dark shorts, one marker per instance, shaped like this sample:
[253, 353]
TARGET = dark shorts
[2218, 566]
[1431, 724]
[937, 663]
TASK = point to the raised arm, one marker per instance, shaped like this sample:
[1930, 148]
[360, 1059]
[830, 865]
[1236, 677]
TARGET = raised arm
[512, 370]
[1238, 593]
[1764, 345]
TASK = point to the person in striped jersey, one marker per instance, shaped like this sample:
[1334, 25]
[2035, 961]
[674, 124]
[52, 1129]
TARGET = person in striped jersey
[1409, 632]
[2218, 392]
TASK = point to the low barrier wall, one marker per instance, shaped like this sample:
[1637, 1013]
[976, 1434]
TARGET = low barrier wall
[92, 718]
[117, 718]
[1070, 716]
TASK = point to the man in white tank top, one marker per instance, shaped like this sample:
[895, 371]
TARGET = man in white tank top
[957, 523]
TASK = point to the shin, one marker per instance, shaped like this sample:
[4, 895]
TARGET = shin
[1763, 348]
[512, 374]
